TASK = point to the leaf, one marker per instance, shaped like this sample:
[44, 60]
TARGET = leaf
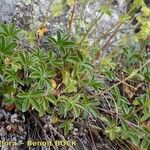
[87, 65]
[96, 84]
[18, 104]
[58, 36]
[11, 46]
[5, 28]
[53, 40]
[58, 63]
[146, 11]
[54, 119]
[80, 56]
[25, 105]
[67, 126]
[51, 99]
[111, 133]
[73, 59]
[136, 4]
[2, 43]
[9, 101]
[35, 103]
[125, 18]
[133, 73]
[45, 104]
[106, 10]
[145, 144]
[134, 139]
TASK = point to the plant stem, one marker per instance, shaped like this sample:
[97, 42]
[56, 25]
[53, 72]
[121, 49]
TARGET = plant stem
[90, 28]
[70, 20]
[122, 81]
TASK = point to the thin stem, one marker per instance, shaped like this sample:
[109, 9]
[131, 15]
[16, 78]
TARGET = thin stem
[90, 28]
[46, 16]
[108, 41]
[122, 81]
[70, 20]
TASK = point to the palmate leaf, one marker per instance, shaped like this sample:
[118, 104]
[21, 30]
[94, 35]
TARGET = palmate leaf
[57, 63]
[31, 97]
[69, 104]
[26, 59]
[90, 107]
[106, 10]
[5, 29]
[11, 76]
[67, 125]
[96, 84]
[9, 30]
[62, 42]
[6, 46]
[10, 46]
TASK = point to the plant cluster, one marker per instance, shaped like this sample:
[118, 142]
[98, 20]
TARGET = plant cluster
[45, 80]
[72, 80]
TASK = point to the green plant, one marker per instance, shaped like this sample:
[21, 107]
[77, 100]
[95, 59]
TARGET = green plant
[67, 82]
[30, 77]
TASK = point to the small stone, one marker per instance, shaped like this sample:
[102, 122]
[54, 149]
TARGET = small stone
[8, 127]
[14, 118]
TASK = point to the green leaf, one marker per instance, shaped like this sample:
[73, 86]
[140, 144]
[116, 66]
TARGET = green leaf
[18, 103]
[51, 99]
[67, 126]
[134, 139]
[45, 104]
[145, 144]
[73, 59]
[9, 101]
[58, 63]
[58, 36]
[25, 105]
[87, 65]
[106, 10]
[125, 18]
[35, 103]
[5, 29]
[11, 46]
[136, 4]
[133, 73]
[2, 43]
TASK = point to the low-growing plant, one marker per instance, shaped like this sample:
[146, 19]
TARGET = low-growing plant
[71, 80]
[42, 80]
